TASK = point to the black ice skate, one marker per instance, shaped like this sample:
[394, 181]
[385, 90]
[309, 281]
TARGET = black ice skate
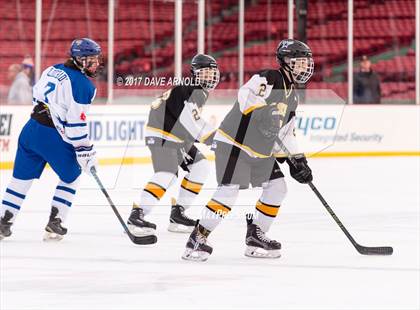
[197, 248]
[258, 245]
[5, 225]
[178, 221]
[54, 231]
[137, 225]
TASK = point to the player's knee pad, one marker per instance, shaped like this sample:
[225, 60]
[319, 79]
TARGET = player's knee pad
[163, 178]
[228, 189]
[227, 194]
[21, 185]
[202, 164]
[274, 191]
[199, 170]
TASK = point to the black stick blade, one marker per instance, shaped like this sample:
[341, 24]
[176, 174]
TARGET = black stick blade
[144, 239]
[379, 250]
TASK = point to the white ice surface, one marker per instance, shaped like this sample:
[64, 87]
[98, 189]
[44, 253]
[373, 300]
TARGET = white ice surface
[97, 267]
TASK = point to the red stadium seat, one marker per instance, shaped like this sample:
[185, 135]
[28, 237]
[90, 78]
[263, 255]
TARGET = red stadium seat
[144, 36]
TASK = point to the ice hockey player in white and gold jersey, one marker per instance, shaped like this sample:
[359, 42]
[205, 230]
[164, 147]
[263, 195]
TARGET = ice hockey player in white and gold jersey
[245, 148]
[174, 125]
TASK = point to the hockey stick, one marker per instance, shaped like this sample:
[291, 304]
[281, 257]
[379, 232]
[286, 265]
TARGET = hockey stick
[137, 240]
[364, 250]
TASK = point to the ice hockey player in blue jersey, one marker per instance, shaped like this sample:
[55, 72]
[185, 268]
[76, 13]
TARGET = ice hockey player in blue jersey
[57, 134]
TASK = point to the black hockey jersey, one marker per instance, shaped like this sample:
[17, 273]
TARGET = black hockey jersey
[175, 119]
[240, 126]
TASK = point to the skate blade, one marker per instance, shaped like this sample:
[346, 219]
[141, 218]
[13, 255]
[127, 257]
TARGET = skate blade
[252, 251]
[141, 232]
[195, 256]
[52, 237]
[179, 228]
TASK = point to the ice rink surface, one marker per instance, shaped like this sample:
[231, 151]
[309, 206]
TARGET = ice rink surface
[97, 267]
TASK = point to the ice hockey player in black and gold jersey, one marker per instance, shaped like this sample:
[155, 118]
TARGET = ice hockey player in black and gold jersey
[245, 148]
[173, 127]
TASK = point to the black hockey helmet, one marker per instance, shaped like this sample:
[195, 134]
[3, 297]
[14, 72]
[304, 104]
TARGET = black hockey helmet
[205, 71]
[296, 57]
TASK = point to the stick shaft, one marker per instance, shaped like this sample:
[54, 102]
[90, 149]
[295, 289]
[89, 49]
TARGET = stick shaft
[332, 213]
[104, 191]
[359, 248]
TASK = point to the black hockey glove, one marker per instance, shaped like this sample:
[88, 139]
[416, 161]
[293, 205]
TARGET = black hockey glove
[300, 171]
[269, 122]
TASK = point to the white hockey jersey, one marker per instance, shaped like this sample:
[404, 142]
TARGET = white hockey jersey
[175, 116]
[240, 126]
[68, 93]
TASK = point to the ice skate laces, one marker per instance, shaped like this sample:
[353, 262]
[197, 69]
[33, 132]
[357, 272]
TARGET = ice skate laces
[261, 235]
[302, 68]
[182, 214]
[201, 239]
[141, 214]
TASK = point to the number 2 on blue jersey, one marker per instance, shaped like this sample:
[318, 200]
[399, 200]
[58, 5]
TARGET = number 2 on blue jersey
[50, 88]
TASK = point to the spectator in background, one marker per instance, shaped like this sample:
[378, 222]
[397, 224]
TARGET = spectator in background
[366, 86]
[13, 70]
[28, 64]
[20, 91]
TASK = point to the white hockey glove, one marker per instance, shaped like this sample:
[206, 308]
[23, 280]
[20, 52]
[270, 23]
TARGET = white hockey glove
[86, 157]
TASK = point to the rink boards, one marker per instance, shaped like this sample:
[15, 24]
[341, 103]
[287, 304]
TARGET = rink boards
[118, 131]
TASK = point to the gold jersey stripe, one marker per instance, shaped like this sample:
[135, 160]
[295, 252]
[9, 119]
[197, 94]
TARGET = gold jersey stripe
[191, 186]
[205, 137]
[155, 189]
[164, 133]
[218, 207]
[252, 108]
[266, 209]
[247, 148]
